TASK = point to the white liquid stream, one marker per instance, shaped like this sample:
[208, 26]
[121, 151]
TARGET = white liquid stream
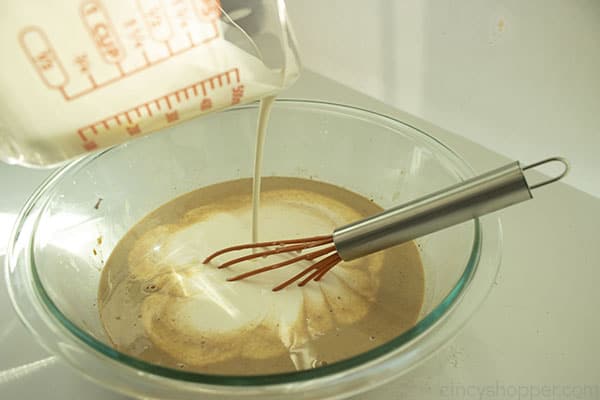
[261, 131]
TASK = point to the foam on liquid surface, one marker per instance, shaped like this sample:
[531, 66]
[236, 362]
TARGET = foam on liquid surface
[187, 315]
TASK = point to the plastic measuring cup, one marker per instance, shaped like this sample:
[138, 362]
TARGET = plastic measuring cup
[83, 75]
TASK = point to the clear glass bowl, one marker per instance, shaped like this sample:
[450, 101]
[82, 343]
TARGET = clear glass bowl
[88, 205]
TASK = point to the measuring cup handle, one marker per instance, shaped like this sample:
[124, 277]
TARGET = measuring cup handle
[469, 199]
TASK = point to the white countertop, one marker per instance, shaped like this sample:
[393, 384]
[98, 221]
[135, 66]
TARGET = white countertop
[536, 336]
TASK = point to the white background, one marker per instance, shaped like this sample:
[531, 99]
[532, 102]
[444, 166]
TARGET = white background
[519, 77]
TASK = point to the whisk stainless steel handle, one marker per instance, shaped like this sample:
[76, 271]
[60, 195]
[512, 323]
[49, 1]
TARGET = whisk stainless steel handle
[472, 198]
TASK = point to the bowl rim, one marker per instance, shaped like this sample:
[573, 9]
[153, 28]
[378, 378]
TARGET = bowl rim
[422, 328]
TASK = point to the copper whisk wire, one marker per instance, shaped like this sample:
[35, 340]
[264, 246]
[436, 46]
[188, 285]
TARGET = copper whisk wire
[474, 197]
[315, 272]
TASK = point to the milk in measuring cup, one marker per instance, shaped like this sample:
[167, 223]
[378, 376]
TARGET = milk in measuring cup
[83, 75]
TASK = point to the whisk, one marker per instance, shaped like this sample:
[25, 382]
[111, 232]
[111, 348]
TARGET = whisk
[469, 199]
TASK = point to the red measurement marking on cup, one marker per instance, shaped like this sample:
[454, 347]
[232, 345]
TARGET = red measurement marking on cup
[208, 9]
[101, 29]
[171, 25]
[42, 55]
[166, 109]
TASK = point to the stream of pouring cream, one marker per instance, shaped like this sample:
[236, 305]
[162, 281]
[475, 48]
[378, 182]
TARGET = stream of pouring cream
[304, 356]
[264, 112]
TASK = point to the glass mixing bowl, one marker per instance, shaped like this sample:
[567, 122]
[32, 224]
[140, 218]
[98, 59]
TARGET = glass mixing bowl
[70, 225]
